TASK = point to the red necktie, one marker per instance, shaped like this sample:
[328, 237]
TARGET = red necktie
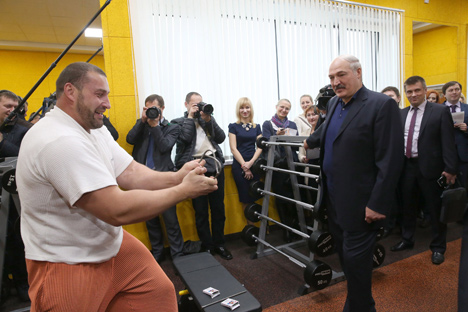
[409, 142]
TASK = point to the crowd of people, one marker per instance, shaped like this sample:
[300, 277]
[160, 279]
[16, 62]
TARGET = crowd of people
[379, 167]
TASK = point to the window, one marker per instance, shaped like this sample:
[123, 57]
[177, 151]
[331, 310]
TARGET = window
[263, 49]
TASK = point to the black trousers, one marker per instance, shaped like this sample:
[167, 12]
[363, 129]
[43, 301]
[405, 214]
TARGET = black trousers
[355, 250]
[14, 258]
[463, 273]
[413, 185]
[174, 235]
[214, 203]
[287, 211]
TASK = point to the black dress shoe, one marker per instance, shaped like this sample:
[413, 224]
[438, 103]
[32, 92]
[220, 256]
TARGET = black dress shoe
[402, 246]
[437, 257]
[223, 252]
[160, 258]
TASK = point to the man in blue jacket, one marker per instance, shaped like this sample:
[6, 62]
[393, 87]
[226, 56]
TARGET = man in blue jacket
[153, 138]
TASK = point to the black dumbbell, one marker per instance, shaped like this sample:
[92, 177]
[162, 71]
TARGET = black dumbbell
[317, 274]
[379, 255]
[9, 181]
[261, 143]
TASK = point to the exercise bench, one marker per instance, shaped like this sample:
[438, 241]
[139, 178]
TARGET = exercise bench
[200, 271]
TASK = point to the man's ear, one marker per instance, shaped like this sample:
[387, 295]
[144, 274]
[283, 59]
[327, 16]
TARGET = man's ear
[359, 72]
[69, 91]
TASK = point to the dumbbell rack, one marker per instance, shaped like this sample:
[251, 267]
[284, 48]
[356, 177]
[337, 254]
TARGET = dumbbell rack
[288, 248]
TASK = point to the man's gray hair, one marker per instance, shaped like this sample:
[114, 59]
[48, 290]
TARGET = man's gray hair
[352, 60]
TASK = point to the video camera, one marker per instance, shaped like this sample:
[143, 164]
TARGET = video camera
[153, 112]
[325, 94]
[207, 109]
[47, 104]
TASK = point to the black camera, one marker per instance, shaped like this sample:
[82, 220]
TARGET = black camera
[207, 109]
[153, 112]
[442, 181]
[325, 94]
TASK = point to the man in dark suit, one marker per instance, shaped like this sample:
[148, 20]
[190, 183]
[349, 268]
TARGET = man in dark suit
[10, 140]
[452, 91]
[153, 138]
[361, 142]
[429, 153]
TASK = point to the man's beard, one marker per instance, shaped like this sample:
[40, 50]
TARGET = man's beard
[87, 115]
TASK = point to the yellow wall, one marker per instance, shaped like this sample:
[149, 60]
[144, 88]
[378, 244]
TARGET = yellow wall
[435, 55]
[450, 13]
[21, 70]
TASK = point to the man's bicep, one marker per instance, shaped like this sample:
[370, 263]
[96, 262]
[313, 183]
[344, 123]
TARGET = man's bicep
[127, 179]
[102, 203]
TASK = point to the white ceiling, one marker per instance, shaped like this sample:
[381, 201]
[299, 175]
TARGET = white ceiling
[47, 25]
[423, 26]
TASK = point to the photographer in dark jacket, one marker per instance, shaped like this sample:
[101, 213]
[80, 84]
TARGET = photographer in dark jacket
[153, 138]
[10, 141]
[199, 133]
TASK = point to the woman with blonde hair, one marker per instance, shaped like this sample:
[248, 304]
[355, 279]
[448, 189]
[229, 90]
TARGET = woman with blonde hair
[301, 120]
[242, 140]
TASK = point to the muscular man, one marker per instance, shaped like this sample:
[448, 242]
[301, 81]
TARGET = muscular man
[429, 153]
[153, 139]
[361, 142]
[77, 186]
[199, 133]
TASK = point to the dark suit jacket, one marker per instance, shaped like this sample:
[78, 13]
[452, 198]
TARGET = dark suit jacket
[12, 136]
[436, 142]
[367, 158]
[188, 139]
[461, 138]
[164, 136]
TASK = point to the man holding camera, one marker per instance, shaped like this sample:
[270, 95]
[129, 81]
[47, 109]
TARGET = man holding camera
[153, 138]
[10, 141]
[199, 136]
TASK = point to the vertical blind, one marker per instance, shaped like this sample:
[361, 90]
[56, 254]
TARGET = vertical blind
[265, 50]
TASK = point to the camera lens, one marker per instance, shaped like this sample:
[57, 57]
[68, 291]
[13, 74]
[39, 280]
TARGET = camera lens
[153, 113]
[205, 108]
[208, 109]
